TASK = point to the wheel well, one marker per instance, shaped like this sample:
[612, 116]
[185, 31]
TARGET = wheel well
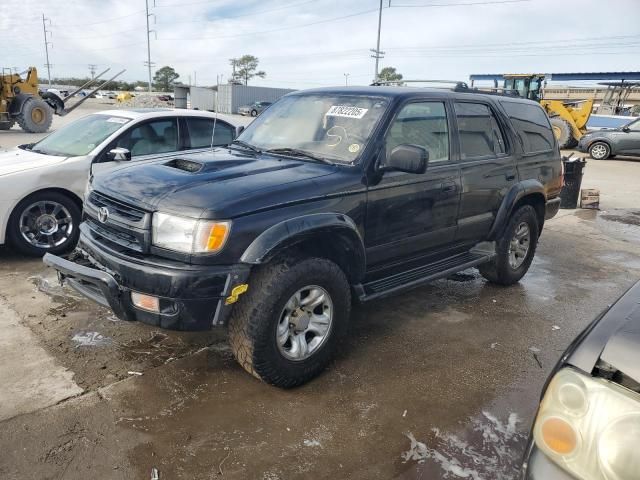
[333, 246]
[77, 200]
[536, 200]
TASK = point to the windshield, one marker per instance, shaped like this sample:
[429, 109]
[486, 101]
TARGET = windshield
[80, 137]
[336, 127]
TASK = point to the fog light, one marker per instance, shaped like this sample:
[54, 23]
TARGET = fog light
[559, 435]
[145, 302]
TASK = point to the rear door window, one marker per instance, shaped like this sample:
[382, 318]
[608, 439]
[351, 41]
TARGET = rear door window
[532, 125]
[201, 131]
[480, 134]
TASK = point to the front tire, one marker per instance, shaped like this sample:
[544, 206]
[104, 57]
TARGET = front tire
[563, 133]
[36, 116]
[254, 113]
[285, 329]
[515, 249]
[599, 151]
[44, 222]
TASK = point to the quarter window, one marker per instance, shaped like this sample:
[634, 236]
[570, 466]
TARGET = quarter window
[480, 135]
[532, 126]
[423, 124]
[201, 130]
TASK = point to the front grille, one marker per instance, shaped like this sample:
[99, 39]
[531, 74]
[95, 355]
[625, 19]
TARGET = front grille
[117, 208]
[117, 237]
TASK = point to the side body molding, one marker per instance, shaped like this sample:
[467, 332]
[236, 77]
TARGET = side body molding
[515, 193]
[342, 229]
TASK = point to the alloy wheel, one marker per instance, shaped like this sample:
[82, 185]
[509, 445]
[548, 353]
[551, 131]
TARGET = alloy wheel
[46, 224]
[519, 245]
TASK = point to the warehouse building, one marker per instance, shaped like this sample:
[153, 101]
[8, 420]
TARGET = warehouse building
[230, 97]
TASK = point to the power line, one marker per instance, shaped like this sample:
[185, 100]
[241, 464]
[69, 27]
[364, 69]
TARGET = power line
[107, 20]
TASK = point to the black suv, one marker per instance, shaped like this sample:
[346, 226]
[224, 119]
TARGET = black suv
[331, 195]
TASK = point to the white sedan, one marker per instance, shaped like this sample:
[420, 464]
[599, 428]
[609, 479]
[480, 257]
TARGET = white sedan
[41, 184]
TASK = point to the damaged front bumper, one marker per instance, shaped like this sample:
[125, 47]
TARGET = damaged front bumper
[190, 297]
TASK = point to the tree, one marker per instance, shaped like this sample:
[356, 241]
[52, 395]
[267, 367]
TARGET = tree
[389, 74]
[164, 78]
[244, 68]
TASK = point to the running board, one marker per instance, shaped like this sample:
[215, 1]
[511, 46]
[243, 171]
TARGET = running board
[423, 274]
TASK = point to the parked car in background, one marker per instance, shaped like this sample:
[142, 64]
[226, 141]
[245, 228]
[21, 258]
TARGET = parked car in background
[588, 422]
[42, 183]
[329, 195]
[254, 109]
[603, 144]
[165, 98]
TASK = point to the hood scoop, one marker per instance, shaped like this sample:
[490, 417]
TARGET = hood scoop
[185, 165]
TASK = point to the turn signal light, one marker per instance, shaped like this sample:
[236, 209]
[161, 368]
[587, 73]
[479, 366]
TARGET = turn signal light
[145, 302]
[559, 435]
[217, 236]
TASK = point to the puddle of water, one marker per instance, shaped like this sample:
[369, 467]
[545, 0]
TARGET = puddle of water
[490, 450]
[90, 339]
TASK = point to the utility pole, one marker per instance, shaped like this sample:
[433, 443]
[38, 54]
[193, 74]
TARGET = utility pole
[195, 83]
[92, 70]
[46, 45]
[346, 79]
[148, 63]
[377, 54]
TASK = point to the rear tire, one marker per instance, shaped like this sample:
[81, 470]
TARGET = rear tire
[562, 131]
[30, 221]
[254, 113]
[256, 323]
[36, 116]
[599, 151]
[515, 249]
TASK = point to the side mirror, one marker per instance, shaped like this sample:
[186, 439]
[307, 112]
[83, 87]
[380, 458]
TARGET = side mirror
[239, 130]
[407, 158]
[119, 155]
[626, 129]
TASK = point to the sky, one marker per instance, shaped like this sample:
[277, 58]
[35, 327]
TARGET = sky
[306, 44]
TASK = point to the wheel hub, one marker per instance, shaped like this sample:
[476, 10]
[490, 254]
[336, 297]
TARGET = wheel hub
[47, 224]
[305, 323]
[519, 245]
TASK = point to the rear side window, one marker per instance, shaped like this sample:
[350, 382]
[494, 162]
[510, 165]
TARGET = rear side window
[201, 130]
[480, 135]
[532, 126]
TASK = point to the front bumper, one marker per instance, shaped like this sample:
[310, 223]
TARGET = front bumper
[551, 208]
[191, 297]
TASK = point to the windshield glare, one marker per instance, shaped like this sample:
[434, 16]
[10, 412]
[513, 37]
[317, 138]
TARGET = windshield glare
[336, 127]
[80, 137]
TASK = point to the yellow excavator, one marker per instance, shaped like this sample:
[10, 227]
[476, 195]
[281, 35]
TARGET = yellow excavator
[568, 119]
[21, 101]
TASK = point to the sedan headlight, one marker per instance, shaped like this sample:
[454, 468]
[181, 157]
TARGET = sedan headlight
[189, 235]
[590, 427]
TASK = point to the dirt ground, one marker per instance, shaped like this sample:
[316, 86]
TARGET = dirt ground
[456, 365]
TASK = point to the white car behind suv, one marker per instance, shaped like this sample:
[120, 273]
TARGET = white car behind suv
[41, 184]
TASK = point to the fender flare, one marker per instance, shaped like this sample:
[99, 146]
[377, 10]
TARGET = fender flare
[515, 193]
[18, 102]
[294, 230]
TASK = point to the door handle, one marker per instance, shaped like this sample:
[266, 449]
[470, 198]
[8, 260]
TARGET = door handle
[510, 176]
[448, 188]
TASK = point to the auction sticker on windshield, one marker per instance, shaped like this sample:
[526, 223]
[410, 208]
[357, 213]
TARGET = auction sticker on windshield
[346, 111]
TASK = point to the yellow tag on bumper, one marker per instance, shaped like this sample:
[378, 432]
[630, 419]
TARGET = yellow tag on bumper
[235, 293]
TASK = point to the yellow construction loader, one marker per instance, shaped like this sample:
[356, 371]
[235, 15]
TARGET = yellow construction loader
[21, 102]
[568, 119]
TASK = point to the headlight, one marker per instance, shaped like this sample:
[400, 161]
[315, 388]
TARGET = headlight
[590, 427]
[189, 235]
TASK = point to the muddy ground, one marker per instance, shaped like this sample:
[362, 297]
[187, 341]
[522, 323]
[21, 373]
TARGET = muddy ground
[439, 382]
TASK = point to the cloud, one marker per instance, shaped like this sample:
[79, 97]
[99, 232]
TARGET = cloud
[311, 43]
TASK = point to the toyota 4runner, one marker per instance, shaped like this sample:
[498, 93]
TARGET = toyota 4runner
[332, 195]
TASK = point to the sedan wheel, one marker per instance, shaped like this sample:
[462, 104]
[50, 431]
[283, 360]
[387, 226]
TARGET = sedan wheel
[599, 151]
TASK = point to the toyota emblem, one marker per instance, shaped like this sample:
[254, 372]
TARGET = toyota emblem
[103, 214]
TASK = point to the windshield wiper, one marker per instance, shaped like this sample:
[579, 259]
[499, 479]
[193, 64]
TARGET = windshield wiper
[246, 145]
[295, 152]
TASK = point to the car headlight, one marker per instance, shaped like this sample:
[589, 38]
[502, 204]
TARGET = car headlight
[189, 235]
[590, 427]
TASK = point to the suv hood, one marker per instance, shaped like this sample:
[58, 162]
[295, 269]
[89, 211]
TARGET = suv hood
[614, 338]
[19, 160]
[223, 183]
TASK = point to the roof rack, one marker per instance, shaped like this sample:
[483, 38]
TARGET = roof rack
[458, 85]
